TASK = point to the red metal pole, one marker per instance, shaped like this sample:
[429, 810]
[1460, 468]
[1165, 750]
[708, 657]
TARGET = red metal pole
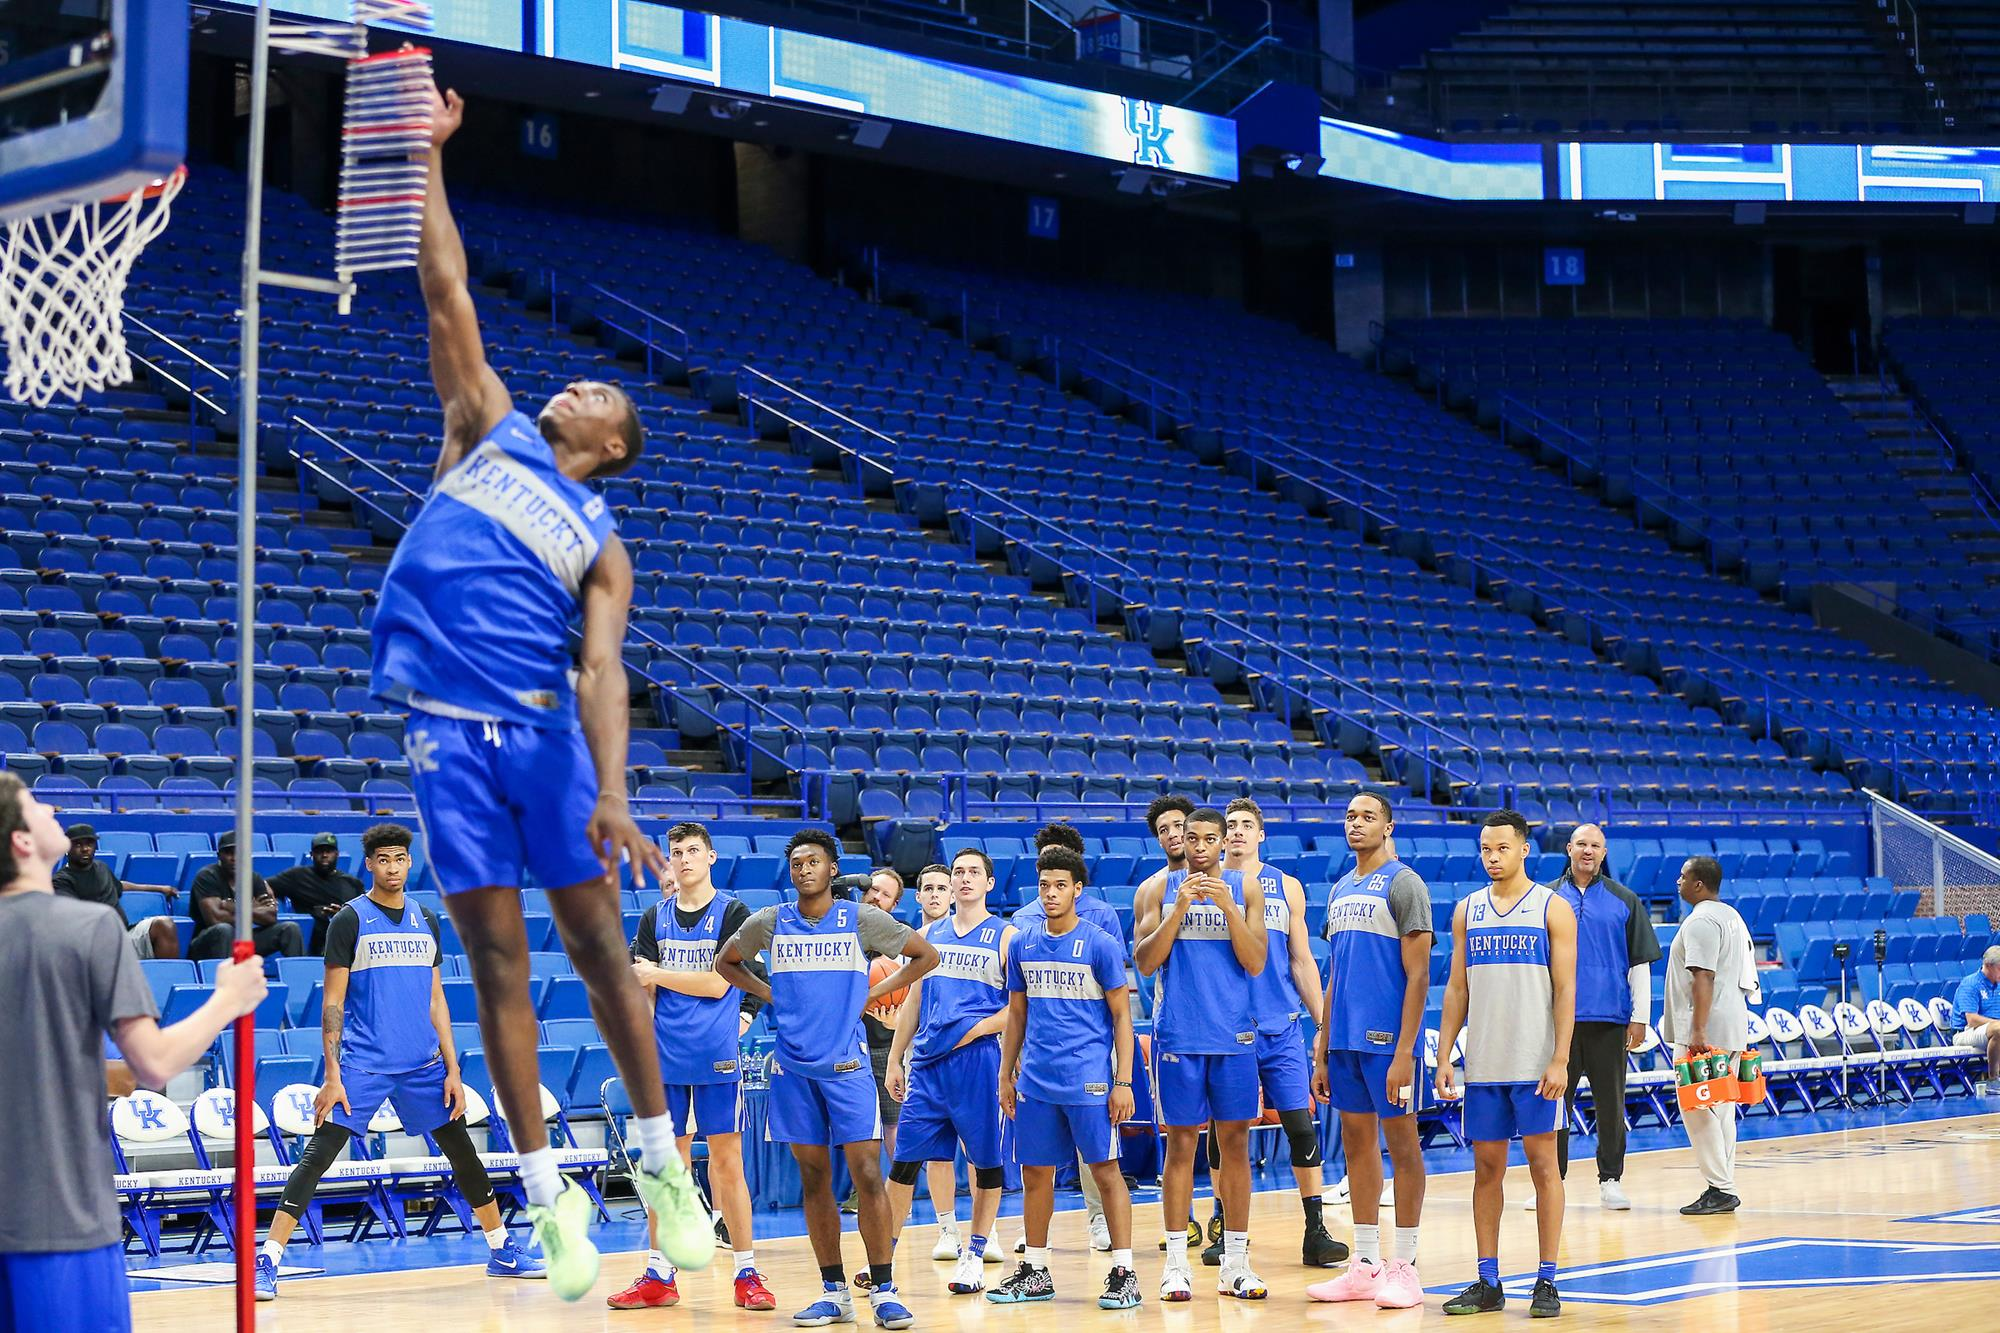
[245, 954]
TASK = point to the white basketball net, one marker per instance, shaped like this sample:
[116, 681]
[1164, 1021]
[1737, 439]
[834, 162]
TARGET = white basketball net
[62, 291]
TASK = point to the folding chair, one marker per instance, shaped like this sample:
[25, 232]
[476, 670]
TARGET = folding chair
[1959, 1061]
[141, 1120]
[1924, 1038]
[354, 1180]
[211, 1128]
[1650, 1080]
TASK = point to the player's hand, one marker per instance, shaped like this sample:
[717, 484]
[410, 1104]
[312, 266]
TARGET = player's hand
[240, 986]
[1322, 1089]
[330, 1095]
[454, 1094]
[1555, 1080]
[1697, 1043]
[614, 837]
[1635, 1036]
[1189, 893]
[896, 1081]
[447, 114]
[1402, 1078]
[643, 970]
[1007, 1095]
[1447, 1082]
[1119, 1104]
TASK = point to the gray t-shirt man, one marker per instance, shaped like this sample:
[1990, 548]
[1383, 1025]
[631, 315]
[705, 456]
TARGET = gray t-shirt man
[1714, 939]
[67, 976]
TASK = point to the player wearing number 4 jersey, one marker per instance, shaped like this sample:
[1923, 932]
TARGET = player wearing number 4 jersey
[822, 1087]
[516, 771]
[1513, 989]
[699, 1019]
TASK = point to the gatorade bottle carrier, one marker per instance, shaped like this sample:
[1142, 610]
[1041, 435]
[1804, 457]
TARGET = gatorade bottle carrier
[1718, 1078]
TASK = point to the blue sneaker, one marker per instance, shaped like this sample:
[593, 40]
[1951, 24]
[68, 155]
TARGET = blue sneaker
[267, 1278]
[510, 1260]
[835, 1306]
[890, 1312]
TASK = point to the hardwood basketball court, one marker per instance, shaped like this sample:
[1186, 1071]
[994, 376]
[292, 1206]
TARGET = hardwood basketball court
[1890, 1227]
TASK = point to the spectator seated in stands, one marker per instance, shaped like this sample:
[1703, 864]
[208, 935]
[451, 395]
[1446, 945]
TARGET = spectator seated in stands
[319, 887]
[212, 903]
[84, 876]
[1978, 1004]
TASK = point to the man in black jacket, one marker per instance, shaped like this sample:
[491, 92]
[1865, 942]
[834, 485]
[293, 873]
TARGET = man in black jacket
[212, 904]
[84, 876]
[319, 887]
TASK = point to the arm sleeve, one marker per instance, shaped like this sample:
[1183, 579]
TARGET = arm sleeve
[646, 939]
[1640, 978]
[754, 935]
[1642, 945]
[341, 934]
[119, 988]
[882, 933]
[1410, 903]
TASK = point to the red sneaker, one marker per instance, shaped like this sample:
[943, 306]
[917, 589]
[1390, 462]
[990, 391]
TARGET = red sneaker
[648, 1293]
[751, 1293]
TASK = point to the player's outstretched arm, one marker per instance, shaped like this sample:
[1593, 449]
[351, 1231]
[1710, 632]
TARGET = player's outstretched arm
[473, 397]
[604, 706]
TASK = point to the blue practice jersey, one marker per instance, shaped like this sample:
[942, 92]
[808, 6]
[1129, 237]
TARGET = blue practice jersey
[966, 987]
[477, 607]
[1273, 991]
[1205, 1005]
[1364, 1010]
[1066, 1045]
[387, 1026]
[697, 1035]
[819, 981]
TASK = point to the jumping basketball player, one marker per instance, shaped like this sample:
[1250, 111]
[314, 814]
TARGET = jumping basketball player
[388, 1038]
[1206, 941]
[1513, 990]
[516, 771]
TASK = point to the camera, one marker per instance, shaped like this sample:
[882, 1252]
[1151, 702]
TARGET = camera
[850, 886]
[1881, 947]
[1840, 952]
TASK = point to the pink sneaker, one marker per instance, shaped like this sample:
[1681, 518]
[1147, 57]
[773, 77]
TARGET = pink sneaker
[1359, 1283]
[1400, 1289]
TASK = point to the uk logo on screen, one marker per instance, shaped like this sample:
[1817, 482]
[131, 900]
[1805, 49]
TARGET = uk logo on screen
[1144, 122]
[1784, 1262]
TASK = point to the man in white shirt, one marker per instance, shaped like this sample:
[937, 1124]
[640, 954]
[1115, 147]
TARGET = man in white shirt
[1705, 1011]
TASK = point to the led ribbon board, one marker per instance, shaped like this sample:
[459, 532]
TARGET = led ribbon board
[1372, 156]
[1832, 173]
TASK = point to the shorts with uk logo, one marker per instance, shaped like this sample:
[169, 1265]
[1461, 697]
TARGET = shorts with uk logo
[497, 799]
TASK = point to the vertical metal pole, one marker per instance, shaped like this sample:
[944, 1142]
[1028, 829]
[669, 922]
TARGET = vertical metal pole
[244, 951]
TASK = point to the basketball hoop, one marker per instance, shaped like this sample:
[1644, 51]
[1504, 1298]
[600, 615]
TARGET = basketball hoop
[62, 290]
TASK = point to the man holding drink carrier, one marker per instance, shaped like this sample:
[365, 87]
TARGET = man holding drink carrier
[1706, 1021]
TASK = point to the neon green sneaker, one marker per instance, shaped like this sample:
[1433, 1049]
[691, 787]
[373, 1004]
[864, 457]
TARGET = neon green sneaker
[682, 1225]
[563, 1231]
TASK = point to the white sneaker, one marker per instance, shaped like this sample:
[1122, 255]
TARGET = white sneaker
[947, 1246]
[1528, 1204]
[969, 1276]
[1340, 1191]
[1237, 1280]
[1100, 1233]
[1176, 1284]
[1612, 1195]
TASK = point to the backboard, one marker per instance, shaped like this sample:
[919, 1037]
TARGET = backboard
[93, 99]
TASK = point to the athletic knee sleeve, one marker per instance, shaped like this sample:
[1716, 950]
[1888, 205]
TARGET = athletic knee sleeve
[989, 1177]
[467, 1171]
[905, 1173]
[1303, 1136]
[1214, 1149]
[328, 1142]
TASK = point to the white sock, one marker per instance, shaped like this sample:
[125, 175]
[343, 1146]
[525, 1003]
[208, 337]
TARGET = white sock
[271, 1250]
[657, 1149]
[1038, 1257]
[1368, 1242]
[1177, 1249]
[1406, 1244]
[1122, 1259]
[657, 1265]
[541, 1177]
[1236, 1248]
[745, 1259]
[496, 1239]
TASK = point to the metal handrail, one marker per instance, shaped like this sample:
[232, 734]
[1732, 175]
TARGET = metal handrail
[1096, 585]
[1178, 398]
[645, 339]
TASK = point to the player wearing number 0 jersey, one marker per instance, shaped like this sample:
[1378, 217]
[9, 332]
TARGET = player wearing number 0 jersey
[1283, 994]
[822, 1086]
[1202, 930]
[1364, 1061]
[1513, 990]
[949, 1028]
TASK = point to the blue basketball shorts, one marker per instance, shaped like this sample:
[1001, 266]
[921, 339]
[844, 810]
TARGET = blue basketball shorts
[952, 1101]
[65, 1291]
[1195, 1089]
[706, 1109]
[1496, 1112]
[418, 1097]
[824, 1112]
[1054, 1134]
[1358, 1084]
[1285, 1070]
[497, 799]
